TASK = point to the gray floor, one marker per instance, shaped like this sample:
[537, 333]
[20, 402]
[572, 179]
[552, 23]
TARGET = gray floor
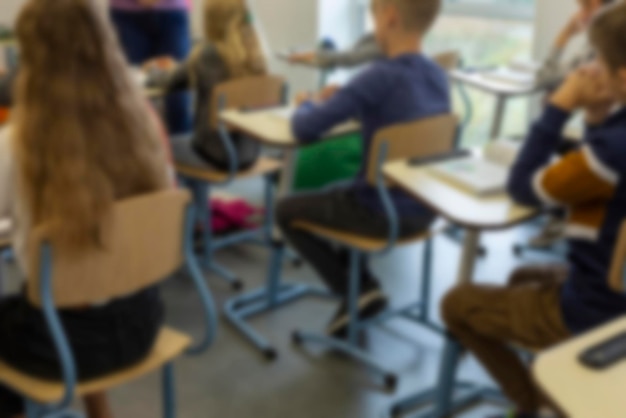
[232, 380]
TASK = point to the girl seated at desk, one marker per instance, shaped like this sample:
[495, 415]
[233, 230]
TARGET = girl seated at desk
[231, 50]
[81, 137]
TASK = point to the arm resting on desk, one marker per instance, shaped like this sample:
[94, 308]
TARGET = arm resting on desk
[580, 177]
[312, 120]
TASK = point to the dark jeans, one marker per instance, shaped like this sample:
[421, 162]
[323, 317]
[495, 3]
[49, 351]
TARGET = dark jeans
[103, 340]
[151, 34]
[337, 208]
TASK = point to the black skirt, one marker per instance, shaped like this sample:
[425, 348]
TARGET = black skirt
[103, 339]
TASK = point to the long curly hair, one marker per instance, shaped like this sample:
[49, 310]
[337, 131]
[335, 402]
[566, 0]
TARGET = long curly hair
[229, 26]
[84, 135]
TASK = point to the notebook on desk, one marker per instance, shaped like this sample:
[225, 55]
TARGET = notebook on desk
[516, 73]
[483, 175]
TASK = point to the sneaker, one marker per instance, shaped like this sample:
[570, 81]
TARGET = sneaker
[370, 304]
[552, 232]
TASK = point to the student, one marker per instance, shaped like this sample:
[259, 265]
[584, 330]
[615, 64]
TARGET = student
[553, 71]
[81, 138]
[154, 28]
[231, 50]
[404, 86]
[364, 51]
[545, 306]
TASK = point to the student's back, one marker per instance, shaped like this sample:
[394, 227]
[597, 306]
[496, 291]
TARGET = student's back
[231, 50]
[391, 91]
[81, 138]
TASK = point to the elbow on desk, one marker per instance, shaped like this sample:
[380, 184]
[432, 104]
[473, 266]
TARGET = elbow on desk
[521, 190]
[303, 131]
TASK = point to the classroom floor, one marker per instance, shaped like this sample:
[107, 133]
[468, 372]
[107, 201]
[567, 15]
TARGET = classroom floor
[232, 380]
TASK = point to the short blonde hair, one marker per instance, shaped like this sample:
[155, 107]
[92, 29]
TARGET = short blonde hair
[608, 35]
[417, 15]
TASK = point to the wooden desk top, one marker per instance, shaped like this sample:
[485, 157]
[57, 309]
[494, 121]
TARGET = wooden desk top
[479, 81]
[455, 204]
[579, 391]
[270, 128]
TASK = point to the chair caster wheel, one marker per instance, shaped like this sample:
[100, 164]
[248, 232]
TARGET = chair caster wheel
[391, 382]
[482, 252]
[237, 285]
[296, 338]
[518, 250]
[270, 354]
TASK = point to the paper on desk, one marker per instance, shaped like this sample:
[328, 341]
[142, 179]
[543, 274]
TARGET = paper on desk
[284, 113]
[512, 75]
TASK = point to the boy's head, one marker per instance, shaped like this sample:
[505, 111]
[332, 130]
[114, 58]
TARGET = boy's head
[396, 19]
[608, 36]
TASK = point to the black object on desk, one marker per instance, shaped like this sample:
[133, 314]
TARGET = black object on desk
[605, 354]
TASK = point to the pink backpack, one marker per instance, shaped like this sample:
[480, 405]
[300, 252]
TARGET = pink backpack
[233, 215]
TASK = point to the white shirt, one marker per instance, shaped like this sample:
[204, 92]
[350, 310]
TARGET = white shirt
[11, 206]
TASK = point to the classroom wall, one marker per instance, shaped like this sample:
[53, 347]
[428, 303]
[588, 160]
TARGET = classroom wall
[8, 10]
[550, 17]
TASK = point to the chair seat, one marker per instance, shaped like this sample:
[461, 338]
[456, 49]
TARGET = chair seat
[262, 167]
[169, 345]
[358, 241]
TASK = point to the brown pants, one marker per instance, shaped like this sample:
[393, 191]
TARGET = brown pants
[487, 320]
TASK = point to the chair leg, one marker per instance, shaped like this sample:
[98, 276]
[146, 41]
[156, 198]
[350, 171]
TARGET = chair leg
[268, 222]
[169, 394]
[33, 410]
[426, 280]
[353, 296]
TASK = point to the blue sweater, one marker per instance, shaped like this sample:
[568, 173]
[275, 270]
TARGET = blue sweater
[591, 184]
[389, 92]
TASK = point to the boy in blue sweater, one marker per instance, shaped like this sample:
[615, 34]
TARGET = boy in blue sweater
[402, 87]
[542, 307]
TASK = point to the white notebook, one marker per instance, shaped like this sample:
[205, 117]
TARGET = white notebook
[483, 175]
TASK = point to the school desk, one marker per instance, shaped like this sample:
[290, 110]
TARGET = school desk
[272, 128]
[579, 391]
[502, 91]
[474, 214]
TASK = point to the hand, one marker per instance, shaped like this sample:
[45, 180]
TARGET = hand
[304, 97]
[160, 64]
[587, 87]
[148, 3]
[328, 92]
[303, 58]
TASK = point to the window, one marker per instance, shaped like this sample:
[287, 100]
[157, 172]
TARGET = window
[502, 9]
[486, 33]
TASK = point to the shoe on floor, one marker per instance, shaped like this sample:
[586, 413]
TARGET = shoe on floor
[370, 304]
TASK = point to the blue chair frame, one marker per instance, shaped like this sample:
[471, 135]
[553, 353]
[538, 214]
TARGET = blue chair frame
[202, 191]
[417, 312]
[63, 349]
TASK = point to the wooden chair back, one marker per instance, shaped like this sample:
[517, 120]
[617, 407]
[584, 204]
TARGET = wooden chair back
[617, 278]
[448, 60]
[143, 245]
[418, 139]
[248, 93]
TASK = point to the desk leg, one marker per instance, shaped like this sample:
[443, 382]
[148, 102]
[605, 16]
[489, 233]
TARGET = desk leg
[498, 117]
[450, 395]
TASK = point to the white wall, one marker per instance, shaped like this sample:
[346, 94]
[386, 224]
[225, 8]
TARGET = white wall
[8, 10]
[550, 17]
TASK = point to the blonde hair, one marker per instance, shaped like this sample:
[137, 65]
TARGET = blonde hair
[608, 34]
[417, 15]
[84, 137]
[230, 28]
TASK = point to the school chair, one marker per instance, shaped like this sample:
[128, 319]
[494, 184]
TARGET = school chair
[247, 93]
[419, 139]
[150, 237]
